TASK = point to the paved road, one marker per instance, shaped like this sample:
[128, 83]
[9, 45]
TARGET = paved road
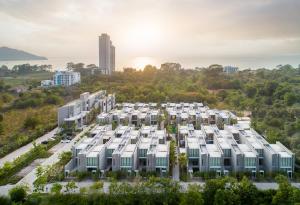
[30, 178]
[22, 150]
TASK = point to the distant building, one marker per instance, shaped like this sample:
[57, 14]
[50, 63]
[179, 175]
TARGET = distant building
[47, 83]
[170, 66]
[106, 55]
[230, 69]
[66, 78]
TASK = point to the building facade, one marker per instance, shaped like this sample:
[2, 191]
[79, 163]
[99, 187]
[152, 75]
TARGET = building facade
[197, 114]
[124, 148]
[138, 114]
[233, 149]
[106, 55]
[66, 78]
[76, 112]
[230, 69]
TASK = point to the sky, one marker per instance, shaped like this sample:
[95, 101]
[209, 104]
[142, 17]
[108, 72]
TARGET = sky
[253, 33]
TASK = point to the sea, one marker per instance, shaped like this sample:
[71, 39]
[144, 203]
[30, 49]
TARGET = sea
[59, 63]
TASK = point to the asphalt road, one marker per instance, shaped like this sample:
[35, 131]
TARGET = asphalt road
[22, 150]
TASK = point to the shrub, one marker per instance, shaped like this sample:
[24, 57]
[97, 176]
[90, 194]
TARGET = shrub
[4, 200]
[18, 193]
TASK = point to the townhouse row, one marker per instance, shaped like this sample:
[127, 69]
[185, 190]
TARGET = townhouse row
[76, 113]
[233, 149]
[197, 114]
[131, 114]
[124, 148]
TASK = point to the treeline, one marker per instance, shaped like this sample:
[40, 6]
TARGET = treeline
[161, 191]
[23, 69]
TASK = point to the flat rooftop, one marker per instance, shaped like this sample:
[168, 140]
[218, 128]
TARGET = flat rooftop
[280, 151]
[213, 150]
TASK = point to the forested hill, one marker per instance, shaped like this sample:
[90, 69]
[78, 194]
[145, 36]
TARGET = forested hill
[9, 54]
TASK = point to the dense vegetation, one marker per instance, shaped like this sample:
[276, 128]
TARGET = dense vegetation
[160, 191]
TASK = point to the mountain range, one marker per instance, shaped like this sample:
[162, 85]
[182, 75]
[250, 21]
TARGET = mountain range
[10, 54]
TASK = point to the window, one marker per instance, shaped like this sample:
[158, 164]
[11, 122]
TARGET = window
[250, 162]
[193, 152]
[214, 162]
[91, 161]
[227, 162]
[286, 162]
[261, 162]
[161, 162]
[227, 152]
[109, 152]
[142, 152]
[126, 162]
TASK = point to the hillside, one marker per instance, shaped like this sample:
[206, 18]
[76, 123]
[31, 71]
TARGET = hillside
[9, 54]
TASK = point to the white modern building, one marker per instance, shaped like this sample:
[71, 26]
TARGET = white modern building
[66, 78]
[106, 55]
[197, 114]
[76, 112]
[230, 69]
[137, 114]
[47, 83]
[233, 149]
[124, 148]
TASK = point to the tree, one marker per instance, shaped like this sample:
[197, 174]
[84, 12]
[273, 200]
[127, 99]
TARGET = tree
[71, 186]
[192, 196]
[290, 98]
[210, 189]
[172, 155]
[97, 186]
[285, 194]
[18, 193]
[247, 191]
[31, 122]
[41, 181]
[220, 197]
[56, 188]
[1, 128]
[4, 200]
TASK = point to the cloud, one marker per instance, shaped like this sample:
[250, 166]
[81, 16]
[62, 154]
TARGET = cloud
[189, 28]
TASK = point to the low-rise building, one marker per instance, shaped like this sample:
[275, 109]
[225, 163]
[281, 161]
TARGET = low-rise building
[47, 83]
[230, 69]
[233, 149]
[131, 114]
[124, 148]
[66, 78]
[197, 114]
[75, 113]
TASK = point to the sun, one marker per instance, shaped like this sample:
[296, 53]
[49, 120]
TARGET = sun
[141, 62]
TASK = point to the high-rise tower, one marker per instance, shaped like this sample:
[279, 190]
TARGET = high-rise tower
[106, 55]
